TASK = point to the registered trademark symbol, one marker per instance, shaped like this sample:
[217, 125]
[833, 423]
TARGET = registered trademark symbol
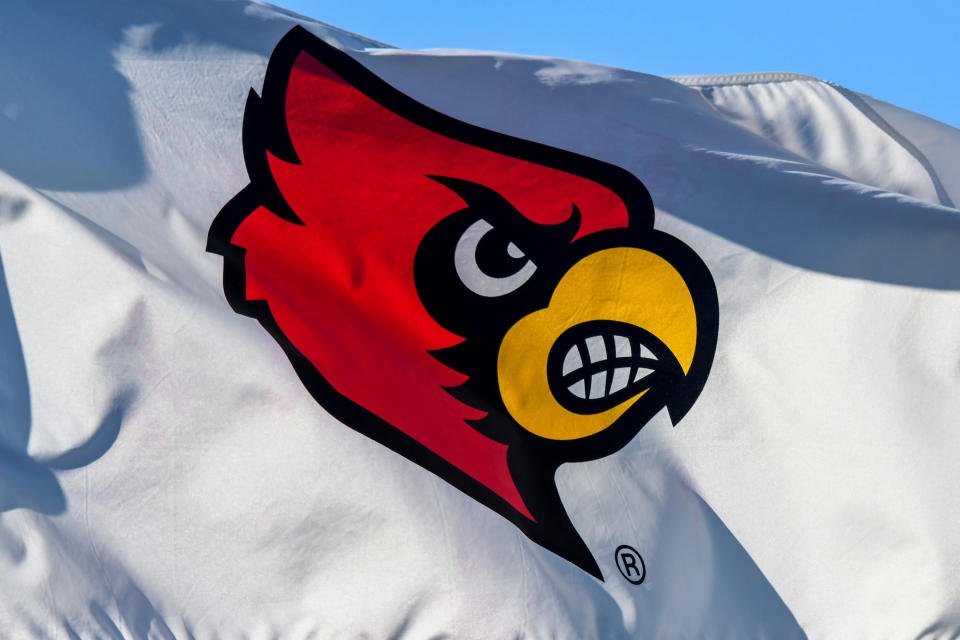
[630, 564]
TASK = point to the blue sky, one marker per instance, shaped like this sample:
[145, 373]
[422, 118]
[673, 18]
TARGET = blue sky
[907, 53]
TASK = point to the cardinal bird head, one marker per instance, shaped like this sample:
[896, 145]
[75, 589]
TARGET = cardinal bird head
[486, 306]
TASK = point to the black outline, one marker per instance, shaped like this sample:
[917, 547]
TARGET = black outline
[665, 364]
[532, 461]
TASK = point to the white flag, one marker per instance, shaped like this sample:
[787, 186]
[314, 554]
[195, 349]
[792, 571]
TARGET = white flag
[302, 335]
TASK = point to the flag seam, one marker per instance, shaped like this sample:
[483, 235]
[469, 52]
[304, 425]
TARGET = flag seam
[858, 103]
[730, 79]
[902, 140]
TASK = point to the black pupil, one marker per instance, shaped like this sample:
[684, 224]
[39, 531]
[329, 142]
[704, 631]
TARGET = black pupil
[492, 256]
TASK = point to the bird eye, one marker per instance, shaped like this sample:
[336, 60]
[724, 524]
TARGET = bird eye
[489, 265]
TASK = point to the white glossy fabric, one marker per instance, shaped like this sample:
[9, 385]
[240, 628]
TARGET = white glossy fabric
[163, 472]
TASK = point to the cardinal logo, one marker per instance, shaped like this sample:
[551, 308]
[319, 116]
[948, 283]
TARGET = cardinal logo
[488, 307]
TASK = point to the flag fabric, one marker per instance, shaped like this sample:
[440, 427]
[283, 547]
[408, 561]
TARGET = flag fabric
[302, 335]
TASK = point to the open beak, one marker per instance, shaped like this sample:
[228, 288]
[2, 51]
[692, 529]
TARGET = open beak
[620, 323]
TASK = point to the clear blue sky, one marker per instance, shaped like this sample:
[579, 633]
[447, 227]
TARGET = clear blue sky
[905, 52]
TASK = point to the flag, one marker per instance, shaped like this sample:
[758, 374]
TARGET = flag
[303, 335]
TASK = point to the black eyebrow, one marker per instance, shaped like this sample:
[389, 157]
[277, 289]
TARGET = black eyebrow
[539, 241]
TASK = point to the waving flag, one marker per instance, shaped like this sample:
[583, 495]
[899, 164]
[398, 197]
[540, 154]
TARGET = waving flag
[303, 334]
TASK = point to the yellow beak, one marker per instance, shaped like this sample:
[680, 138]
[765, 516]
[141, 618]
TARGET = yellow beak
[622, 284]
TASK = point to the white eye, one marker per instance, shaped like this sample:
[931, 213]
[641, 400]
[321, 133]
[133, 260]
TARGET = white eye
[465, 259]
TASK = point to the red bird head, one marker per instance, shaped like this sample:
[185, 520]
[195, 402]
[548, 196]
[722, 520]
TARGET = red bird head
[486, 306]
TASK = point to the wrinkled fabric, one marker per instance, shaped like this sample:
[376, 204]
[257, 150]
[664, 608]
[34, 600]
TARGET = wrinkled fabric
[164, 474]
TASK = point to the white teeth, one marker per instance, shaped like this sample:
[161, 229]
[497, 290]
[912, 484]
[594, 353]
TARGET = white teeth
[593, 350]
[596, 348]
[572, 361]
[598, 385]
[622, 346]
[642, 372]
[579, 389]
[621, 376]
